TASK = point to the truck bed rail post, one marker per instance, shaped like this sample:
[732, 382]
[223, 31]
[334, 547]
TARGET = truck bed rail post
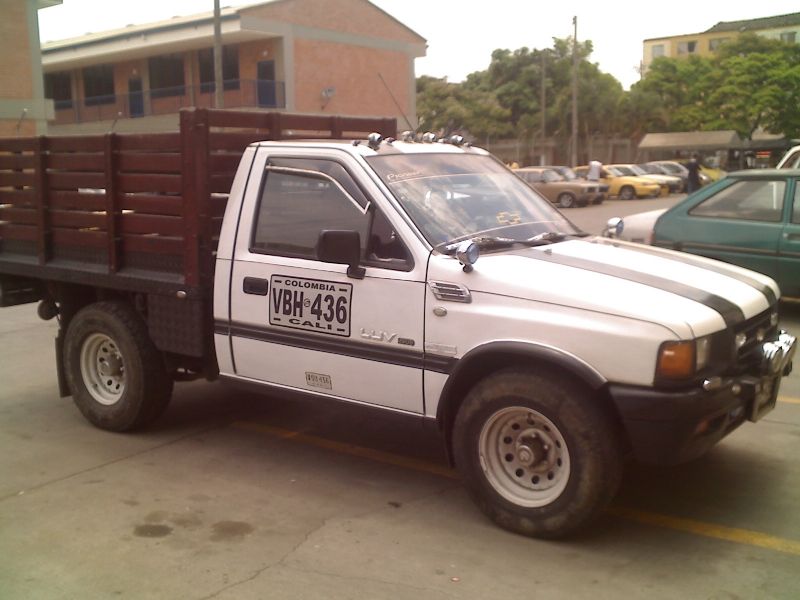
[112, 205]
[45, 235]
[194, 153]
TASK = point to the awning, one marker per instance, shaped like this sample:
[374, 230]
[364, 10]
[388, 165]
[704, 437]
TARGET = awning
[691, 140]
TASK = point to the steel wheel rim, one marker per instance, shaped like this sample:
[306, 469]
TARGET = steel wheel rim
[102, 368]
[524, 457]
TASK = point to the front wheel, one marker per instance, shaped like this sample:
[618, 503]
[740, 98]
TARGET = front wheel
[627, 193]
[566, 200]
[538, 455]
[116, 374]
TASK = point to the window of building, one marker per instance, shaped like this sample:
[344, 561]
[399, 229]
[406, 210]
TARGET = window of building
[657, 50]
[790, 37]
[166, 75]
[230, 68]
[716, 43]
[687, 47]
[747, 201]
[58, 88]
[98, 85]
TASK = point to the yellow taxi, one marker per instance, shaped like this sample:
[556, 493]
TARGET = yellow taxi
[625, 187]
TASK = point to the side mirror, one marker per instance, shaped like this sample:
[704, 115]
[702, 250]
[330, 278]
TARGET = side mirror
[614, 227]
[341, 247]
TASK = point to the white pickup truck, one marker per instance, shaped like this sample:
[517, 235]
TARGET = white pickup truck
[425, 278]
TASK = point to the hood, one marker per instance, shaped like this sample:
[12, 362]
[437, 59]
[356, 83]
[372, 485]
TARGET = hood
[690, 295]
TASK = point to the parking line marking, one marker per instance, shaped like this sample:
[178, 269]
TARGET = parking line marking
[351, 449]
[788, 400]
[720, 532]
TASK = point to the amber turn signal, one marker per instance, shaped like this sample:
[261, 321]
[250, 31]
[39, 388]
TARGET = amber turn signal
[676, 360]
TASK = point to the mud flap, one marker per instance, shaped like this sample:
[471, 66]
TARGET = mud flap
[63, 386]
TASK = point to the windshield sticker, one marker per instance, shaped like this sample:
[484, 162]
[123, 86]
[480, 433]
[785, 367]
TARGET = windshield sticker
[310, 304]
[507, 218]
[392, 177]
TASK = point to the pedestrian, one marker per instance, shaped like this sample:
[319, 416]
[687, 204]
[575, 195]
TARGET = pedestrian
[595, 166]
[693, 183]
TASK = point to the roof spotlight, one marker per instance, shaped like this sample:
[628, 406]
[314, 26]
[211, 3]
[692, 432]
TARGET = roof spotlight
[374, 140]
[457, 140]
[428, 137]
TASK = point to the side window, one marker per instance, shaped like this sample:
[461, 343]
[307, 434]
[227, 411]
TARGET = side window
[296, 205]
[301, 197]
[385, 249]
[793, 161]
[796, 203]
[746, 200]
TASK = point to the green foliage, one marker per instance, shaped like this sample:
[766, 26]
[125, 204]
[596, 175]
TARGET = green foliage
[749, 83]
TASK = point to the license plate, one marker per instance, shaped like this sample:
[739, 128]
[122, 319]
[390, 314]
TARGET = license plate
[765, 398]
[310, 304]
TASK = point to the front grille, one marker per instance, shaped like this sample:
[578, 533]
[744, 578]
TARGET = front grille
[757, 329]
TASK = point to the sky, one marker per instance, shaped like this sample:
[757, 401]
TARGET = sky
[462, 34]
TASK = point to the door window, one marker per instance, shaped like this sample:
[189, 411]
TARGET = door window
[747, 201]
[302, 197]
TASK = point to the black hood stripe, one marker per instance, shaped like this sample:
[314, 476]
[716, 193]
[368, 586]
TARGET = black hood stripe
[690, 259]
[730, 312]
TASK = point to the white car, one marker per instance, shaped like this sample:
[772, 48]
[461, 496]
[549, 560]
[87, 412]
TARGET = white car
[790, 160]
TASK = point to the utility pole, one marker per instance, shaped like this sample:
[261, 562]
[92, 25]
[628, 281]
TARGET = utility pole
[219, 98]
[543, 108]
[574, 144]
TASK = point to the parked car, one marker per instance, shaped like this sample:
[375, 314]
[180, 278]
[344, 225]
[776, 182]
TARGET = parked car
[790, 160]
[556, 189]
[749, 218]
[657, 169]
[568, 174]
[625, 187]
[669, 183]
[672, 167]
[713, 173]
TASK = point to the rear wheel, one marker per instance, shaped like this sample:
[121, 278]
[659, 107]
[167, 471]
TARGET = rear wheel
[566, 200]
[627, 193]
[116, 374]
[537, 454]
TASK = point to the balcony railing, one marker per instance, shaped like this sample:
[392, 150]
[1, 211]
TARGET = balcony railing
[237, 93]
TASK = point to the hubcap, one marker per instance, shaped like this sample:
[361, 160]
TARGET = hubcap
[102, 368]
[524, 456]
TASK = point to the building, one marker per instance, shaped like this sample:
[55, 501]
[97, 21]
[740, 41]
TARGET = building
[783, 27]
[23, 109]
[345, 57]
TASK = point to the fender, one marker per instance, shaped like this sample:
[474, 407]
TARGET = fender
[492, 356]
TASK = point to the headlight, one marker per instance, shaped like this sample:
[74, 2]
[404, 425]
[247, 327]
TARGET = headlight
[682, 359]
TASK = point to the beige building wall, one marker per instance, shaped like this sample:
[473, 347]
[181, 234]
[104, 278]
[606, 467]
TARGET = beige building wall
[355, 76]
[352, 17]
[21, 88]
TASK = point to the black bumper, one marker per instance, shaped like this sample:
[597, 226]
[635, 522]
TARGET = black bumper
[671, 427]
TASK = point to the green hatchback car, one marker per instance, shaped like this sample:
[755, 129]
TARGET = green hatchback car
[748, 218]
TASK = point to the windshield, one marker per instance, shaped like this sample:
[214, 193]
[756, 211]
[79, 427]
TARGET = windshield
[615, 171]
[567, 173]
[550, 176]
[620, 170]
[637, 170]
[451, 197]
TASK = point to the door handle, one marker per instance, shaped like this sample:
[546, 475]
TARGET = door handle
[255, 286]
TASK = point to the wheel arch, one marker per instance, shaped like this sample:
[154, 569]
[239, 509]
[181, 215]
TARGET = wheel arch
[489, 358]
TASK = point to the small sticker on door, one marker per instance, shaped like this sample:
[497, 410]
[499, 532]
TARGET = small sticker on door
[319, 380]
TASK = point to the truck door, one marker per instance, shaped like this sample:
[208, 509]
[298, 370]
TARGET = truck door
[301, 323]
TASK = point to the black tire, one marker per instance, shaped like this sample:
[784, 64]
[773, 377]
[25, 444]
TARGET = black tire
[116, 374]
[566, 200]
[572, 448]
[627, 193]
